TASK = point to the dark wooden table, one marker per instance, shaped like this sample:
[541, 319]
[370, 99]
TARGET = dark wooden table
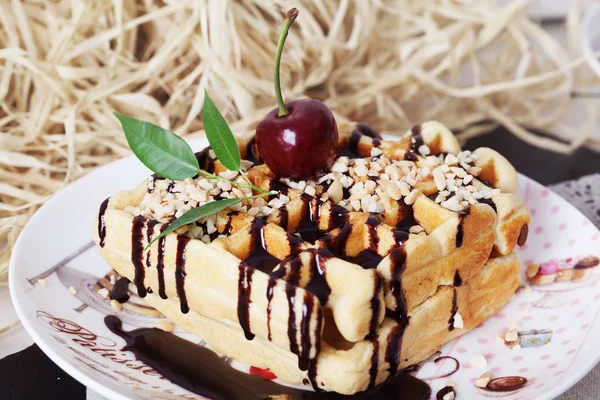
[31, 375]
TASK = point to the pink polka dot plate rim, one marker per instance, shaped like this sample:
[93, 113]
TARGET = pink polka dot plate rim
[559, 326]
[558, 323]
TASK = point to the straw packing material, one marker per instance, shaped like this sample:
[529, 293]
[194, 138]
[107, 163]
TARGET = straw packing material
[65, 66]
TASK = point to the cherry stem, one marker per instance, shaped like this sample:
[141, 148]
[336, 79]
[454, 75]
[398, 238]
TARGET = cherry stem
[289, 19]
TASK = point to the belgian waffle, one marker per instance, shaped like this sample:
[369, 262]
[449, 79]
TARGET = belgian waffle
[368, 269]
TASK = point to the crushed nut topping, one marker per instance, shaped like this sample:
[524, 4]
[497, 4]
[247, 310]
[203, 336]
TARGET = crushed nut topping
[484, 379]
[511, 336]
[166, 199]
[478, 361]
[370, 184]
[458, 321]
[367, 184]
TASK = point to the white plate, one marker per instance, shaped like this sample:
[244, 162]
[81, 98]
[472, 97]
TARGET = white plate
[56, 245]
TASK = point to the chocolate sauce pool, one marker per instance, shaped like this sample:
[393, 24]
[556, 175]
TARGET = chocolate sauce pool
[201, 371]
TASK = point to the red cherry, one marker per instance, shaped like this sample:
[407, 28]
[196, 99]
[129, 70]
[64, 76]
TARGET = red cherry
[299, 139]
[301, 144]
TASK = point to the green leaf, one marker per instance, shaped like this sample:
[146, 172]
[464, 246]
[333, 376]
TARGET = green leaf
[219, 135]
[196, 213]
[165, 153]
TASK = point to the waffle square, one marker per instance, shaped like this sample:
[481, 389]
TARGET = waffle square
[361, 272]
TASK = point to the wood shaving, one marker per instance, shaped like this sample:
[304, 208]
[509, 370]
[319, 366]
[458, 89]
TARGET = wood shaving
[66, 66]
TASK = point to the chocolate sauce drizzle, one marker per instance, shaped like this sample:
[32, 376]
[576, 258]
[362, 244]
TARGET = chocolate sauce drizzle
[397, 266]
[182, 242]
[436, 359]
[137, 254]
[305, 334]
[228, 226]
[318, 281]
[368, 130]
[149, 232]
[252, 152]
[312, 376]
[394, 344]
[280, 187]
[449, 373]
[460, 227]
[259, 257]
[489, 202]
[374, 362]
[101, 224]
[368, 258]
[317, 287]
[156, 177]
[337, 217]
[416, 141]
[272, 283]
[120, 290]
[201, 371]
[375, 306]
[336, 242]
[160, 265]
[453, 311]
[302, 349]
[290, 291]
[308, 228]
[352, 151]
[373, 260]
[457, 279]
[284, 217]
[405, 224]
[205, 161]
[244, 292]
[523, 235]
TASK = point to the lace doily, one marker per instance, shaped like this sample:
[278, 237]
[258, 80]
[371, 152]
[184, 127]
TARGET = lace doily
[584, 194]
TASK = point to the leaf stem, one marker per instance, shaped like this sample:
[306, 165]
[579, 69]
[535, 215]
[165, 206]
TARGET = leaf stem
[237, 184]
[242, 173]
[289, 19]
[197, 213]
